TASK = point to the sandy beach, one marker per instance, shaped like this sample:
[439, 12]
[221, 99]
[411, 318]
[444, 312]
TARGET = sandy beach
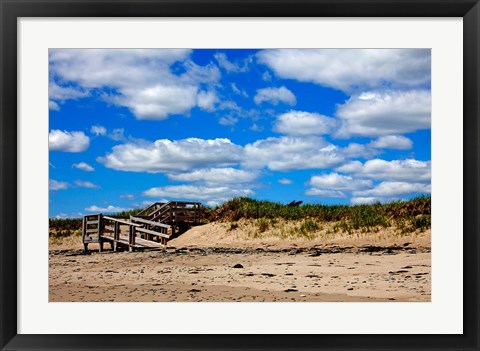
[262, 270]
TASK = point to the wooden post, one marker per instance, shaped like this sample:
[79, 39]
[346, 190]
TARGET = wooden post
[100, 232]
[131, 237]
[85, 248]
[100, 226]
[116, 236]
[84, 228]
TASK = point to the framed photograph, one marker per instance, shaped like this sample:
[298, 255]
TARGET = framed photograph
[236, 175]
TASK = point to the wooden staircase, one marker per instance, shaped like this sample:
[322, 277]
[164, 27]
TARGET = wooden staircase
[150, 228]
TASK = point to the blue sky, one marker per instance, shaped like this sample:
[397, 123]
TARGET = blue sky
[130, 127]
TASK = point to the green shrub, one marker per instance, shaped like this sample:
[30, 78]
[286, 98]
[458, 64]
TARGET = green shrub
[421, 222]
[262, 224]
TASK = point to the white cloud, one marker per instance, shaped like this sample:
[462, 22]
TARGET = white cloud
[285, 181]
[98, 130]
[228, 120]
[158, 101]
[396, 170]
[303, 123]
[139, 79]
[364, 200]
[389, 189]
[350, 167]
[385, 113]
[359, 150]
[117, 134]
[229, 66]
[256, 128]
[397, 142]
[207, 100]
[334, 185]
[57, 185]
[52, 105]
[286, 153]
[108, 209]
[238, 91]
[335, 181]
[192, 192]
[325, 193]
[86, 184]
[216, 176]
[213, 204]
[129, 197]
[274, 96]
[351, 69]
[68, 141]
[59, 94]
[83, 166]
[172, 156]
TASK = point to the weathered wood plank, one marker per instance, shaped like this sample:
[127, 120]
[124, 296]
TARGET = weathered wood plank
[92, 222]
[120, 221]
[146, 221]
[92, 230]
[151, 232]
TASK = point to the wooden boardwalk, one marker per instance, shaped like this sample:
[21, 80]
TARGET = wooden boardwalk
[150, 228]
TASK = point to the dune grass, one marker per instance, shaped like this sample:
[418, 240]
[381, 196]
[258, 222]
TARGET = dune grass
[406, 215]
[305, 221]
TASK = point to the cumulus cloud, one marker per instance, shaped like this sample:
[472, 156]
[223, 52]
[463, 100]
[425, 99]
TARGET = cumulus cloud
[396, 142]
[364, 200]
[57, 185]
[192, 192]
[325, 193]
[303, 123]
[397, 170]
[385, 113]
[59, 94]
[68, 141]
[127, 196]
[158, 101]
[334, 185]
[107, 209]
[351, 69]
[389, 189]
[83, 166]
[98, 130]
[285, 181]
[86, 184]
[274, 96]
[354, 150]
[172, 156]
[139, 79]
[216, 176]
[286, 153]
[207, 100]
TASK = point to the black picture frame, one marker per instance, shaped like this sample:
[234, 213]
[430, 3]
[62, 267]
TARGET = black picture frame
[12, 10]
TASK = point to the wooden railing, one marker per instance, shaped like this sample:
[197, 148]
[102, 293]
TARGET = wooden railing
[155, 224]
